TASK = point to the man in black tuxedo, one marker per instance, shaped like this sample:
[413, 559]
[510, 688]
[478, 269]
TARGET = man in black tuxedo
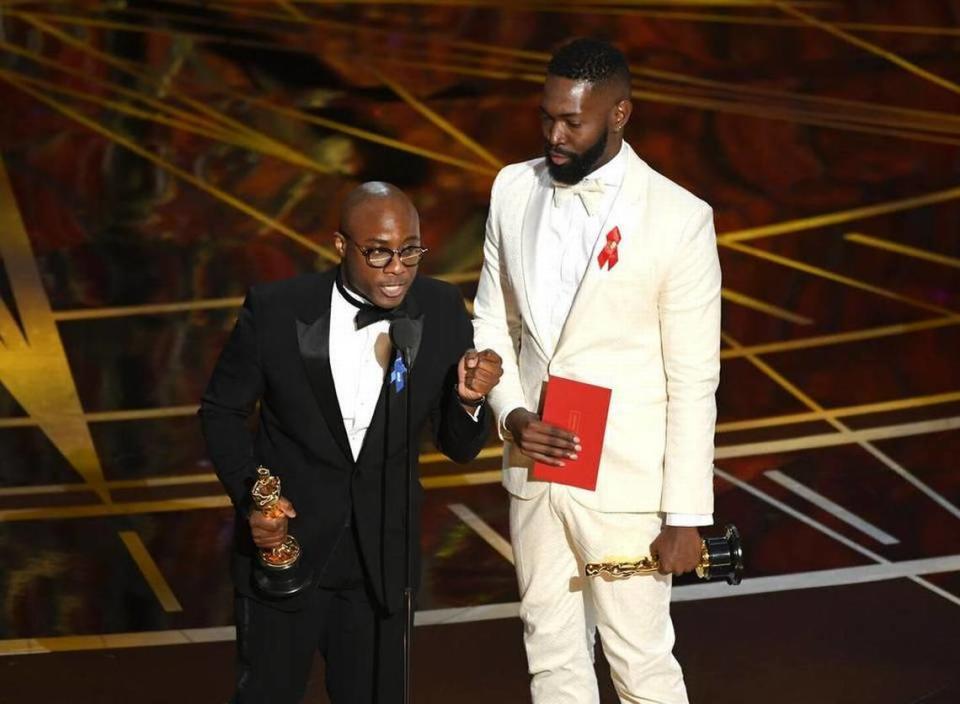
[315, 352]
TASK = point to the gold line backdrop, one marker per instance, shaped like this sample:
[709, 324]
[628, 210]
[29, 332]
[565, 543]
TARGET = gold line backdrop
[204, 119]
[158, 158]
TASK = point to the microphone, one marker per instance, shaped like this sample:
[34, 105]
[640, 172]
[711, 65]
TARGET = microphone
[405, 336]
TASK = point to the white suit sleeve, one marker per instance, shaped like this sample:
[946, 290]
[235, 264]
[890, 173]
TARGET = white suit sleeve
[690, 335]
[496, 320]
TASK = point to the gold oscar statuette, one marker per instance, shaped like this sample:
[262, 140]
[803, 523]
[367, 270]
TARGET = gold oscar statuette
[720, 558]
[280, 573]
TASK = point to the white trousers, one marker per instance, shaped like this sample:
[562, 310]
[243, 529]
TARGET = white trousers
[553, 538]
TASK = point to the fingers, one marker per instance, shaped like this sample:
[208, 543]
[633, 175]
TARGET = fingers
[560, 433]
[268, 532]
[549, 444]
[482, 370]
[545, 459]
[482, 376]
[553, 436]
[491, 366]
[490, 357]
[675, 556]
[670, 565]
[480, 380]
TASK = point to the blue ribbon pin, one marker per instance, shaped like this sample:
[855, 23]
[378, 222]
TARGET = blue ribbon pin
[398, 374]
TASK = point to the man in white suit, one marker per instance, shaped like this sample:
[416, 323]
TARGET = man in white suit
[599, 269]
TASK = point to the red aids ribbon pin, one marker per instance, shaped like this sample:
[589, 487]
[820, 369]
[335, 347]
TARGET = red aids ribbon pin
[608, 255]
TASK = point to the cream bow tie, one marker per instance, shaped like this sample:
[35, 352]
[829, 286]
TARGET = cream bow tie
[589, 190]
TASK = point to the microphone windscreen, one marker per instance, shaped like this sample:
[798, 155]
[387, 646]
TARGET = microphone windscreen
[404, 334]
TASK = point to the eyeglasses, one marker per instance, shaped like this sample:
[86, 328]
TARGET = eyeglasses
[380, 257]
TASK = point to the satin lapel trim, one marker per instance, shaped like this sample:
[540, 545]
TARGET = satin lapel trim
[314, 341]
[537, 203]
[626, 212]
[416, 318]
[418, 326]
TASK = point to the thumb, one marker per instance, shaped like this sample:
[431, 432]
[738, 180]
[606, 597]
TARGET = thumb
[287, 508]
[470, 358]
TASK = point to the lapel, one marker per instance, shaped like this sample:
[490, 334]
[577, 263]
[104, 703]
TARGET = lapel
[314, 342]
[541, 192]
[626, 213]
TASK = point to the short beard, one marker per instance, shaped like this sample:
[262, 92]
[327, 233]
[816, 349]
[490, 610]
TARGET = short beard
[579, 165]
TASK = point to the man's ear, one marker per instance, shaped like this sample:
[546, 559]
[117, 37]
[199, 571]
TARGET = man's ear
[340, 244]
[621, 114]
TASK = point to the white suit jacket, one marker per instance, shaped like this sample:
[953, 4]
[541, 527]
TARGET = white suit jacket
[647, 328]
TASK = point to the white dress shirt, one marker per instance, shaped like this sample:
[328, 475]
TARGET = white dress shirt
[358, 363]
[566, 237]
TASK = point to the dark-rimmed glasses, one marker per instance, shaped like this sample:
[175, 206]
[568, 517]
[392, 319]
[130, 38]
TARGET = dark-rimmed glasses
[380, 257]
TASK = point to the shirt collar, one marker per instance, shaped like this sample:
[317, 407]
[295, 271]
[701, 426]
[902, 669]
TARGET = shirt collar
[612, 173]
[352, 296]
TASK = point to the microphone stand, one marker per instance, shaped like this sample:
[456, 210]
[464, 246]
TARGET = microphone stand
[408, 541]
[406, 338]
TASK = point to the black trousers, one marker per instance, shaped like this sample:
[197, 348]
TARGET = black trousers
[361, 645]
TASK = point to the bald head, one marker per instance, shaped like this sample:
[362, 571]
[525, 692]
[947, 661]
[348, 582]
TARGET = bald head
[377, 216]
[373, 197]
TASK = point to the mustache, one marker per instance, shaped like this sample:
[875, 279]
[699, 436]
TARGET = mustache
[559, 151]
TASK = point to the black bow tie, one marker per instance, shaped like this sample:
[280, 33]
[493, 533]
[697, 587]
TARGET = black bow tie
[368, 314]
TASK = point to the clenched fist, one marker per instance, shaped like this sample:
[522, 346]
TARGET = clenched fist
[477, 374]
[678, 548]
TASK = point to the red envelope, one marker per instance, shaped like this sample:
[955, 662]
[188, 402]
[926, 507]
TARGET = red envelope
[582, 409]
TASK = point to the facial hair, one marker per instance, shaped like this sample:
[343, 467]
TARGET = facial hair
[579, 165]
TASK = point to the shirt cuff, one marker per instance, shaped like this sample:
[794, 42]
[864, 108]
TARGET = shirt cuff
[475, 413]
[689, 519]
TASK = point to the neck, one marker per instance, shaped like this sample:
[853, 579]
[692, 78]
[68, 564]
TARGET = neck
[608, 155]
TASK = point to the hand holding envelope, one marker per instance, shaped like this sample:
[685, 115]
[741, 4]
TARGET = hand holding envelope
[541, 441]
[567, 442]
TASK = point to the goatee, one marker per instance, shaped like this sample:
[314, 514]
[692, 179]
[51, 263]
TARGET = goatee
[579, 165]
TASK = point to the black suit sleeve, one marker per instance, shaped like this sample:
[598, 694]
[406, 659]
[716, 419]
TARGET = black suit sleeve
[230, 399]
[456, 434]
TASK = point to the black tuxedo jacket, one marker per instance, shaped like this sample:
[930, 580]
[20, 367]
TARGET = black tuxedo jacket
[278, 355]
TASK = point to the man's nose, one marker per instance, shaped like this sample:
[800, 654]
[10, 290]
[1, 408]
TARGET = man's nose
[394, 266]
[555, 135]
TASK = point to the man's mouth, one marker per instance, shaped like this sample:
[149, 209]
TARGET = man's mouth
[558, 158]
[393, 290]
